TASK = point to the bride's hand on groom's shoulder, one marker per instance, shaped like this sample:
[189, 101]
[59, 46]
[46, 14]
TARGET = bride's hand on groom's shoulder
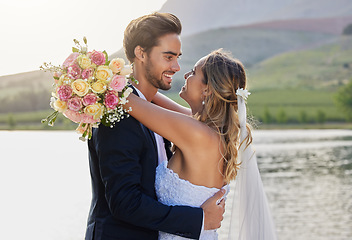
[213, 212]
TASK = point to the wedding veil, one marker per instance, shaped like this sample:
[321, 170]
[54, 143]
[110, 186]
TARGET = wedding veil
[250, 216]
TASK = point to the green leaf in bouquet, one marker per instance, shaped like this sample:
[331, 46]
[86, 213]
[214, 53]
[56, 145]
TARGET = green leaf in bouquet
[106, 56]
[107, 63]
[85, 40]
[56, 78]
[85, 133]
[104, 121]
[75, 49]
[90, 133]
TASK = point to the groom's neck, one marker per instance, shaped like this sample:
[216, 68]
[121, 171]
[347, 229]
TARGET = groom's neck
[140, 74]
[146, 88]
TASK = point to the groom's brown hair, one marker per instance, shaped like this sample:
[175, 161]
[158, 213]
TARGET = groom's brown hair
[146, 30]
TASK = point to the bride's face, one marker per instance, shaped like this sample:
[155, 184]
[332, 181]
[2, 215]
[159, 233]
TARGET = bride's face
[193, 91]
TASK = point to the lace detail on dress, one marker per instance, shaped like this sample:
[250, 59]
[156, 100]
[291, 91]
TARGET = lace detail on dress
[172, 190]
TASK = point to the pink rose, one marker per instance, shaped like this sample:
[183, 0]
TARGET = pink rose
[89, 99]
[118, 82]
[57, 74]
[87, 73]
[74, 71]
[75, 104]
[97, 57]
[88, 119]
[64, 92]
[70, 59]
[111, 100]
[79, 117]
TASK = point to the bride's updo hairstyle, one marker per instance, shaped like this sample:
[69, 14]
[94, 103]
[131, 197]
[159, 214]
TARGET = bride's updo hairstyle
[224, 75]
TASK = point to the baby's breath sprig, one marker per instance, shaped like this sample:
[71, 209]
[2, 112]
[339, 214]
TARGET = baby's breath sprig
[79, 48]
[50, 67]
[114, 116]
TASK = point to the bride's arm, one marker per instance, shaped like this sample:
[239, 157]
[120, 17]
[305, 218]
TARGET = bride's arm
[182, 130]
[165, 102]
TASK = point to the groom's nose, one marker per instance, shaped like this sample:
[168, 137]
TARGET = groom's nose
[176, 66]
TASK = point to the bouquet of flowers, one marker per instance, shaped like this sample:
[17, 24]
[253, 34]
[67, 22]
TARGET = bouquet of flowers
[89, 89]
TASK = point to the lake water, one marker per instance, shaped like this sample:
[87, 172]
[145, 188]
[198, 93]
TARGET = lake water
[307, 175]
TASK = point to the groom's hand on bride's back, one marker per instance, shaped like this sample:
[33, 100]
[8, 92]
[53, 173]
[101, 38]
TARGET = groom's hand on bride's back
[213, 211]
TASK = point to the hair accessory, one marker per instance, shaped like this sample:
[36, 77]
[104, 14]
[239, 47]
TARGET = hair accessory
[243, 93]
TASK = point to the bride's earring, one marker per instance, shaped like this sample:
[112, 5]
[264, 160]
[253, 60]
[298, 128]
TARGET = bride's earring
[205, 94]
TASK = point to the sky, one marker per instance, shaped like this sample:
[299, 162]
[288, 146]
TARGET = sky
[37, 31]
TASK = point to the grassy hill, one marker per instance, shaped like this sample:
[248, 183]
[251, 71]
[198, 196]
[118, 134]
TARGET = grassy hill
[302, 82]
[294, 106]
[322, 68]
[33, 81]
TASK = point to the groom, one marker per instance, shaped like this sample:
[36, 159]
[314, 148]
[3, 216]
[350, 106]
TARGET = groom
[123, 159]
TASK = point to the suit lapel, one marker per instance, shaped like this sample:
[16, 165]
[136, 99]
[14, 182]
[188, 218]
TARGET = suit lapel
[147, 131]
[151, 134]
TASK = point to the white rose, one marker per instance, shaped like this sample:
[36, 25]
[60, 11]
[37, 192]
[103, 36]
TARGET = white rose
[117, 64]
[126, 70]
[60, 106]
[52, 101]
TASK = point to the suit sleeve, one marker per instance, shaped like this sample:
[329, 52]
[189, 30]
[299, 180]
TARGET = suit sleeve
[119, 153]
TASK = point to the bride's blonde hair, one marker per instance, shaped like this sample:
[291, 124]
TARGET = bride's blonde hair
[224, 75]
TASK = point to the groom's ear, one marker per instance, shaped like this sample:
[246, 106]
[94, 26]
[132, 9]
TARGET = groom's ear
[139, 53]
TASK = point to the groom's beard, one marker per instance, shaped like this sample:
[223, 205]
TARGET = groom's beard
[153, 78]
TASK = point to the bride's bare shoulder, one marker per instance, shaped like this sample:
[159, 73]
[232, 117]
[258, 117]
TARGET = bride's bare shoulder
[205, 138]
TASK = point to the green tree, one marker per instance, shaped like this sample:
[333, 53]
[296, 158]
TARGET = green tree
[321, 116]
[343, 99]
[267, 118]
[281, 116]
[302, 117]
[11, 121]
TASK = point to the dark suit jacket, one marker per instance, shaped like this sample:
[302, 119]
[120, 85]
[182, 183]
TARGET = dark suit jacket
[124, 205]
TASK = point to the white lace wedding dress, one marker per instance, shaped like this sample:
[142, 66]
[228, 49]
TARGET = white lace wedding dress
[172, 190]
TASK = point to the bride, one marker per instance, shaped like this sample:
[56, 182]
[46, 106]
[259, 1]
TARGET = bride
[208, 140]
